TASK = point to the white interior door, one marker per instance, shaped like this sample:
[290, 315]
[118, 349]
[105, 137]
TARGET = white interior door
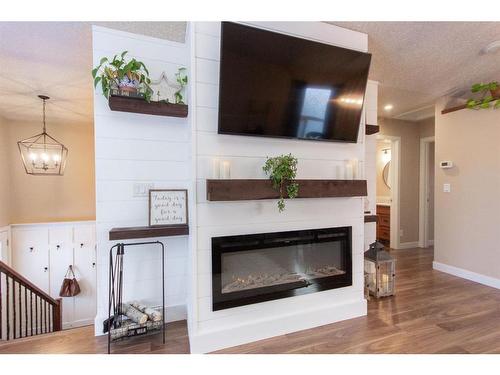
[30, 255]
[61, 257]
[85, 269]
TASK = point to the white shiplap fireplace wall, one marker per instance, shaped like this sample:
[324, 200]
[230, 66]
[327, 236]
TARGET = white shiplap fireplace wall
[134, 148]
[211, 330]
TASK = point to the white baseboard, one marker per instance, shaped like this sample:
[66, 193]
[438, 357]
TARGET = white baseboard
[408, 245]
[174, 314]
[465, 274]
[205, 342]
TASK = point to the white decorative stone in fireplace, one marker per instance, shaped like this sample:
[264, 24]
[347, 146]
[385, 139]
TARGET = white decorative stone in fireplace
[211, 327]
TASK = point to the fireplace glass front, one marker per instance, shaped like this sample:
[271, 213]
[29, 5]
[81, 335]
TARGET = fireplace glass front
[254, 268]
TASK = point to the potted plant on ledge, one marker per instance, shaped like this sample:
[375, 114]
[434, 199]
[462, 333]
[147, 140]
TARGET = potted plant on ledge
[489, 95]
[130, 77]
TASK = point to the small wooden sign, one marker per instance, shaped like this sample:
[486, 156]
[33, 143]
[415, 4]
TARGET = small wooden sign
[168, 207]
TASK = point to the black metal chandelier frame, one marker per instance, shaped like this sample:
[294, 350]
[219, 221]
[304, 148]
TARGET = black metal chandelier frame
[43, 143]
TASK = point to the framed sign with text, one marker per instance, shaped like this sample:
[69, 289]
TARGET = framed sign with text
[168, 207]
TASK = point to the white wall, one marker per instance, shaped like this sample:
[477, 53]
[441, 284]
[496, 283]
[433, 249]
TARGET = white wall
[136, 148]
[210, 330]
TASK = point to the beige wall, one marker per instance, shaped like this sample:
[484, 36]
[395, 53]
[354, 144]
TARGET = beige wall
[4, 176]
[53, 198]
[427, 127]
[410, 133]
[467, 232]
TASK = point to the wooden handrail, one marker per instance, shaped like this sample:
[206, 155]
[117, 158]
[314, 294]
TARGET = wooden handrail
[14, 316]
[28, 284]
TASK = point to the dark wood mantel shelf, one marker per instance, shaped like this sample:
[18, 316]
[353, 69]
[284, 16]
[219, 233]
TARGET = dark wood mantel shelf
[371, 129]
[129, 233]
[134, 105]
[255, 189]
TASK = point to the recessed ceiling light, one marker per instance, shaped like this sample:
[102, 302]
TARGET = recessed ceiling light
[388, 107]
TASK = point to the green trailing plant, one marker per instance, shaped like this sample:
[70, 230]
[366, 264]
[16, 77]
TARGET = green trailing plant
[182, 80]
[486, 92]
[282, 171]
[117, 71]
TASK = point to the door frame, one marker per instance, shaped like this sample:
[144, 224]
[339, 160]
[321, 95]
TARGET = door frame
[5, 233]
[423, 212]
[395, 240]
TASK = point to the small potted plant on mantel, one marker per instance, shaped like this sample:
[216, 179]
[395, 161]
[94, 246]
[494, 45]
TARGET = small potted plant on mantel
[128, 78]
[282, 171]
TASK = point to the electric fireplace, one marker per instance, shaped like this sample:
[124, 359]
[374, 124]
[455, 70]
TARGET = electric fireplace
[261, 267]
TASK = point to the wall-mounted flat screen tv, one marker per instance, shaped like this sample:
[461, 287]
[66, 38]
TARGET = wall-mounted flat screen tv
[276, 85]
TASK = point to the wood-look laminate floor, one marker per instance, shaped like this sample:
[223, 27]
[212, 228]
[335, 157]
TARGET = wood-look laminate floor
[432, 313]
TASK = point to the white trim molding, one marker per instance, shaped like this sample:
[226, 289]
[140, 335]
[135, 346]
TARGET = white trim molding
[408, 245]
[466, 274]
[423, 221]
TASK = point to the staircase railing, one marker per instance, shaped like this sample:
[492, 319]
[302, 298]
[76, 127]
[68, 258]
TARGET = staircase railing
[25, 309]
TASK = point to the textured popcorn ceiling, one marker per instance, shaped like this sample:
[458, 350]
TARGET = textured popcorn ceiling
[417, 62]
[55, 58]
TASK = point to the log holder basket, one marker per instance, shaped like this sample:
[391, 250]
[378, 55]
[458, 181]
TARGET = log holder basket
[115, 316]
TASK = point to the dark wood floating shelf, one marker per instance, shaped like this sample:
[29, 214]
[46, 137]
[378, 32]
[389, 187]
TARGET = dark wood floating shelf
[453, 109]
[137, 105]
[371, 129]
[371, 218]
[459, 107]
[254, 189]
[147, 232]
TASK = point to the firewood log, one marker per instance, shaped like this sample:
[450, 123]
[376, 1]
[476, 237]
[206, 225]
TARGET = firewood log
[153, 315]
[134, 314]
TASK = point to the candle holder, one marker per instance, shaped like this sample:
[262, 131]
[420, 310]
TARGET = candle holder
[380, 268]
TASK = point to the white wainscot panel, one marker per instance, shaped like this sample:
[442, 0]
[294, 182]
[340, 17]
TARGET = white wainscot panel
[207, 71]
[141, 170]
[150, 289]
[124, 149]
[242, 146]
[209, 28]
[207, 95]
[265, 211]
[206, 119]
[124, 190]
[125, 125]
[207, 47]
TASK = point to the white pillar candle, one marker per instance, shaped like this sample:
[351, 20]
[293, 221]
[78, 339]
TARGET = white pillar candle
[355, 168]
[226, 170]
[215, 168]
[348, 171]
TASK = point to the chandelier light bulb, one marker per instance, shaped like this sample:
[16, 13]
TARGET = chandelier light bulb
[56, 158]
[33, 156]
[45, 157]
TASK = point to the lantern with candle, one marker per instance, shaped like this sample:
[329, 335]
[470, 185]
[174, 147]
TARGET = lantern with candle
[380, 268]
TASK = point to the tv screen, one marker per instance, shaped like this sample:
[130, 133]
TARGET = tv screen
[275, 85]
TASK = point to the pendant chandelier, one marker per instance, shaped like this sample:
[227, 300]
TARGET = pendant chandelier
[42, 154]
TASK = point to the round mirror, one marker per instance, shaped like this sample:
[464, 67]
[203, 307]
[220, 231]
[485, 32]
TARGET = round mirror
[386, 174]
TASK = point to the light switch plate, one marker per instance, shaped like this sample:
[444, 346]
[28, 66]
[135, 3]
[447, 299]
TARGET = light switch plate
[142, 189]
[446, 188]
